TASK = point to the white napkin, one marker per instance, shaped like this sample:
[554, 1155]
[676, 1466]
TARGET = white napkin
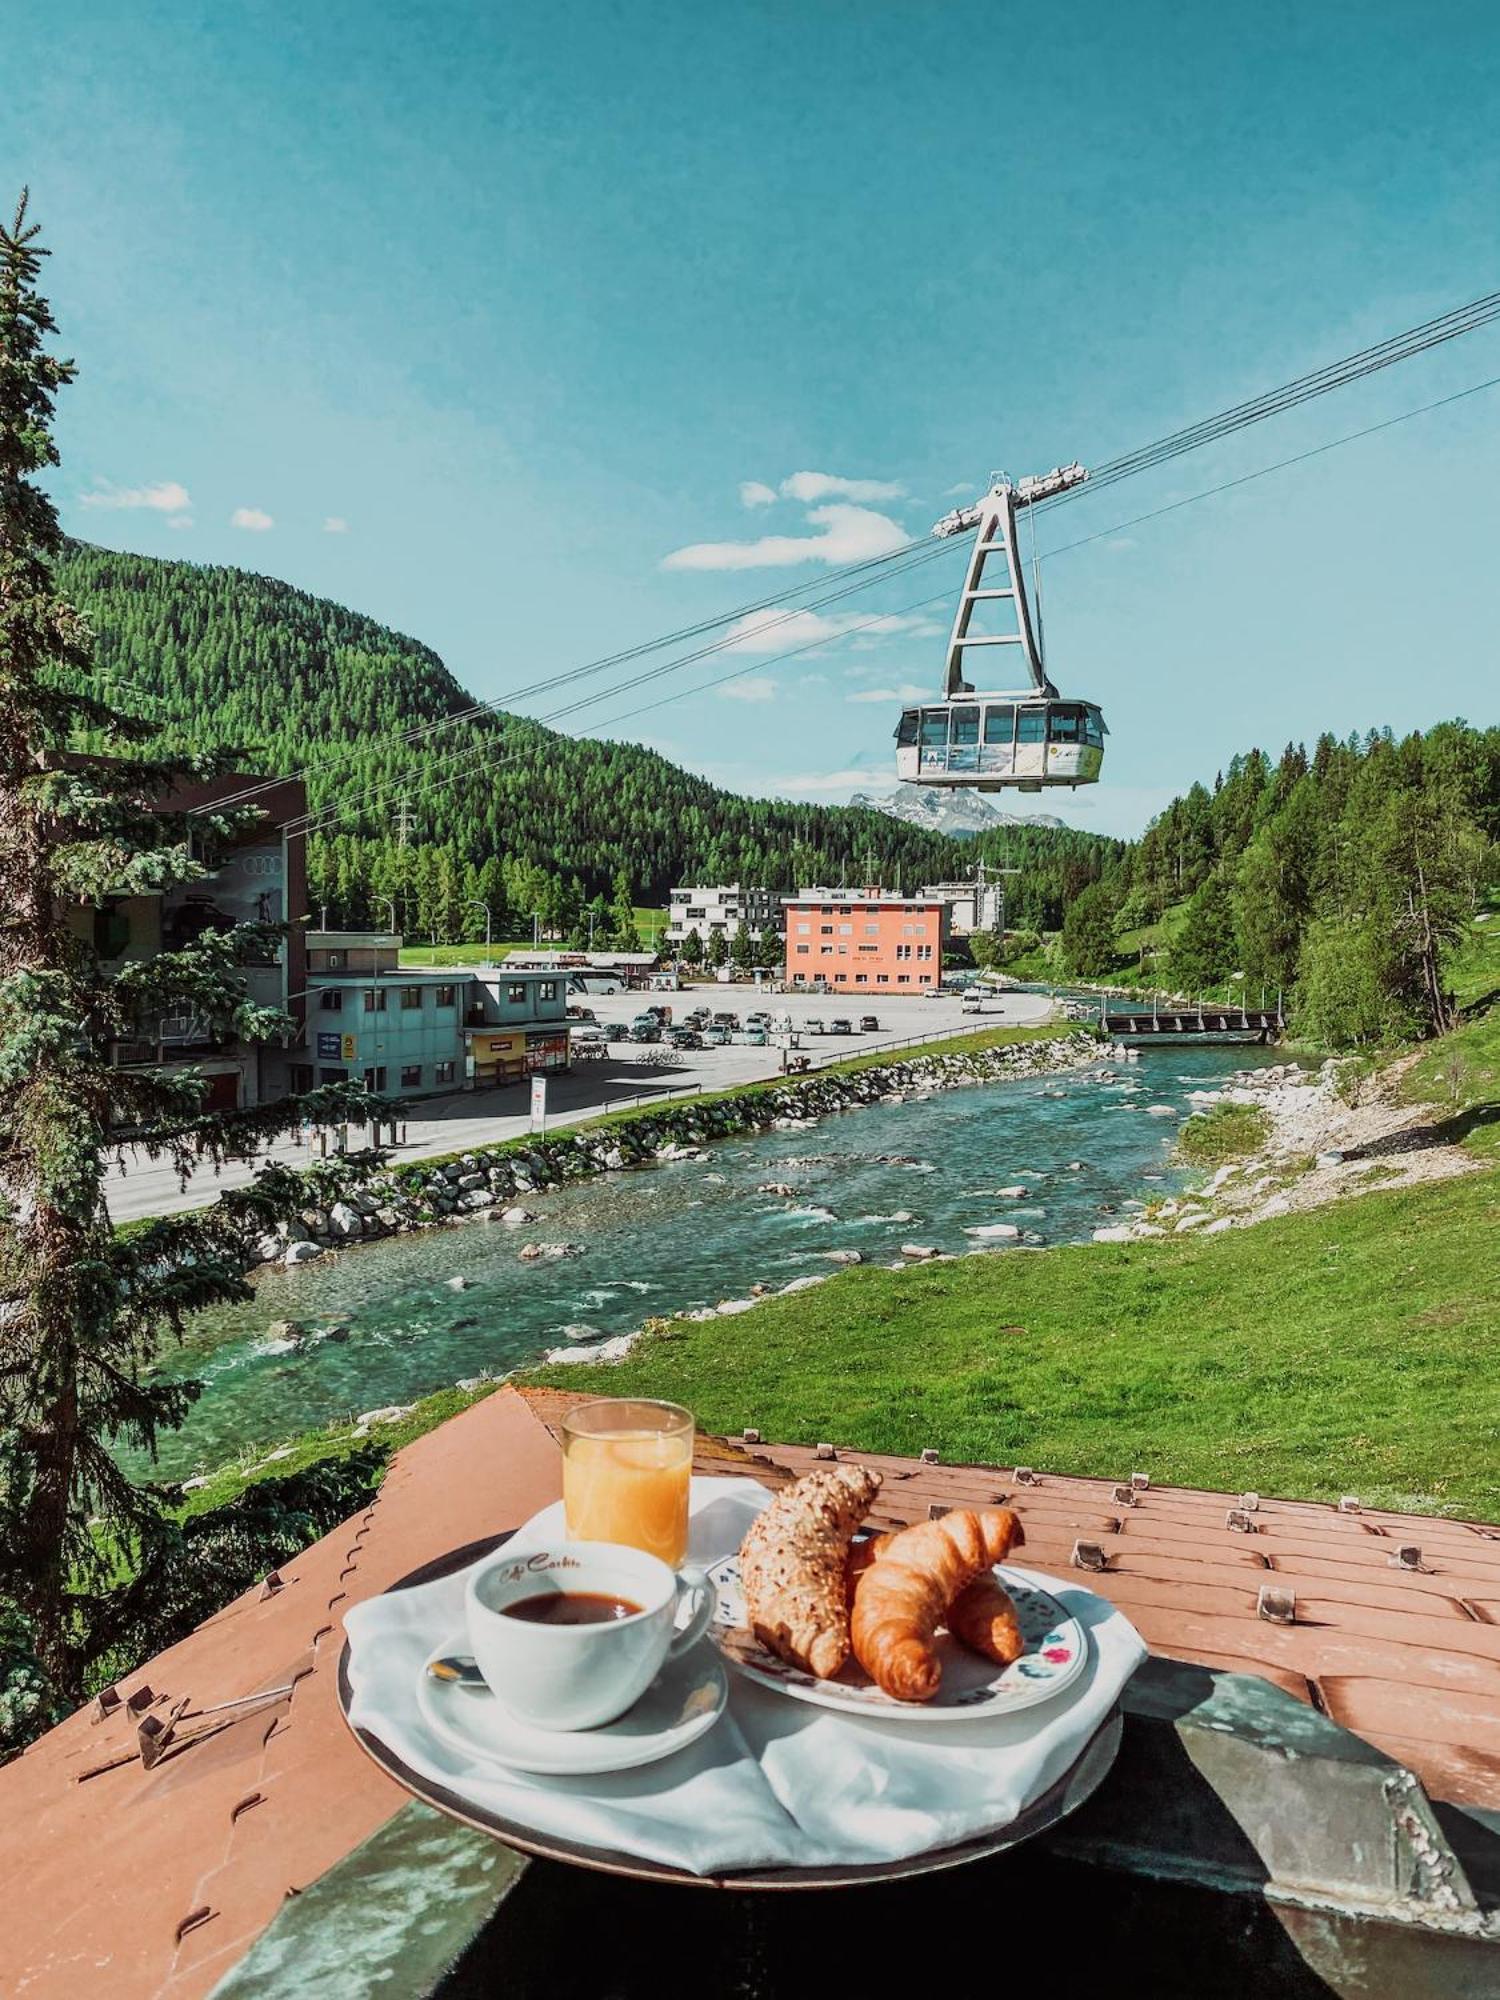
[776, 1782]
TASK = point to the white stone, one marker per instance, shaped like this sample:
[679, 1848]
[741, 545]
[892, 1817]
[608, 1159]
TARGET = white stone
[516, 1215]
[1116, 1233]
[1006, 1231]
[1013, 1193]
[301, 1253]
[457, 1284]
[1161, 1111]
[1196, 1220]
[844, 1256]
[344, 1220]
[919, 1252]
[1217, 1227]
[805, 1284]
[1332, 1158]
[729, 1307]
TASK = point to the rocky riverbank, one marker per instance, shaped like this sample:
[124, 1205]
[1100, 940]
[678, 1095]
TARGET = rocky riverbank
[1334, 1132]
[496, 1182]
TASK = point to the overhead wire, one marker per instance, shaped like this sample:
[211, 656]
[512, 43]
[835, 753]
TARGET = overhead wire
[1317, 382]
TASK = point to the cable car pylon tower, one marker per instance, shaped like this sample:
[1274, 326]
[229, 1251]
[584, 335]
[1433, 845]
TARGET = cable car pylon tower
[994, 729]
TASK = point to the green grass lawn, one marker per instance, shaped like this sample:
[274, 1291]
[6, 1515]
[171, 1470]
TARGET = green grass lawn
[650, 923]
[1350, 1350]
[1223, 1132]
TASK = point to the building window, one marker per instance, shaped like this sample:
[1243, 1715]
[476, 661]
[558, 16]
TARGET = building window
[872, 930]
[803, 929]
[903, 979]
[375, 1079]
[882, 979]
[411, 1076]
[825, 930]
[921, 930]
[924, 951]
[869, 947]
[515, 993]
[825, 951]
[411, 996]
[861, 978]
[445, 998]
[300, 1077]
[334, 960]
[803, 950]
[374, 999]
[443, 1071]
[846, 930]
[906, 930]
[841, 977]
[547, 990]
[331, 1000]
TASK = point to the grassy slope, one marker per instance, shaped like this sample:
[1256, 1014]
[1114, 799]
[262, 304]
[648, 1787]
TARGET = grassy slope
[1345, 1350]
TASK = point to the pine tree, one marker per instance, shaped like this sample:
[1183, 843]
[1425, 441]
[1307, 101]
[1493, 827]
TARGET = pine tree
[82, 1316]
[692, 949]
[741, 949]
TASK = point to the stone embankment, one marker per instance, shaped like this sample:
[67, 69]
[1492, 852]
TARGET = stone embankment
[1333, 1133]
[498, 1181]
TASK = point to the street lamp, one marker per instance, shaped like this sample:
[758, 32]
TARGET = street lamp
[475, 904]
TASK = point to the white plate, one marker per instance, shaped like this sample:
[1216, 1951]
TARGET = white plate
[684, 1701]
[1057, 1651]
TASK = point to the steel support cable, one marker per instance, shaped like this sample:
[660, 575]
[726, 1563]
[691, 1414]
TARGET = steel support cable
[938, 597]
[1332, 375]
[1281, 464]
[317, 819]
[1335, 375]
[608, 660]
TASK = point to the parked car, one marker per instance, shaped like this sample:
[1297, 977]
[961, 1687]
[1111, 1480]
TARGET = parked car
[813, 1025]
[582, 1014]
[839, 1026]
[756, 1037]
[589, 1033]
[868, 1025]
[729, 1022]
[660, 1013]
[685, 1038]
[645, 1031]
[699, 1018]
[715, 1038]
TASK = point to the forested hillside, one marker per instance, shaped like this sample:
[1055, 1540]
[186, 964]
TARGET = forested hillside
[500, 809]
[1345, 879]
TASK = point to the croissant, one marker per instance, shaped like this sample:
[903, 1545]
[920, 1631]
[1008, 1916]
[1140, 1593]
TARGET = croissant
[792, 1566]
[982, 1615]
[906, 1593]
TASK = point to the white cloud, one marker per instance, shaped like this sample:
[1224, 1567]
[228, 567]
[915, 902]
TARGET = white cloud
[907, 691]
[165, 497]
[754, 494]
[780, 631]
[252, 519]
[335, 524]
[810, 486]
[963, 490]
[756, 687]
[180, 521]
[847, 535]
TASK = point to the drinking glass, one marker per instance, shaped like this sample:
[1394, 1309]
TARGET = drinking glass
[626, 1467]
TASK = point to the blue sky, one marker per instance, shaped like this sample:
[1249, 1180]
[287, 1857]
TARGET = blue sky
[474, 318]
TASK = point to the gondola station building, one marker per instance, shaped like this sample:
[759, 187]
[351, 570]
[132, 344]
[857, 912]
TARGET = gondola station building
[865, 940]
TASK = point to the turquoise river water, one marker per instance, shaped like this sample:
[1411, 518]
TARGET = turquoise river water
[385, 1326]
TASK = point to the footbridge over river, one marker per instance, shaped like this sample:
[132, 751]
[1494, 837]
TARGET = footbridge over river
[1196, 1020]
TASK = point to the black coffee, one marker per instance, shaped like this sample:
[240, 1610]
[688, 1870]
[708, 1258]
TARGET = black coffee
[571, 1607]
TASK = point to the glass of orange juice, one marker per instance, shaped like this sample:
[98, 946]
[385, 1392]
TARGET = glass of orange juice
[626, 1467]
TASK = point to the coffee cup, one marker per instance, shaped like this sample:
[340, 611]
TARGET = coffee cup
[571, 1636]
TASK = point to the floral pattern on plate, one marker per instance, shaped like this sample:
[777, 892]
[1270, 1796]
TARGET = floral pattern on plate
[1056, 1652]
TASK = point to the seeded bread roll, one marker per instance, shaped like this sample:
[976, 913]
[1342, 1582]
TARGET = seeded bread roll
[792, 1566]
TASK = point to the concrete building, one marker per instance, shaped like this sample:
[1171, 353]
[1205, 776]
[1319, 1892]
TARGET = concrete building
[515, 1025]
[261, 878]
[428, 1031]
[707, 910]
[972, 906]
[868, 940]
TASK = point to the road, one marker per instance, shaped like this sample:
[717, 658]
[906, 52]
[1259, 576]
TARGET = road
[628, 1075]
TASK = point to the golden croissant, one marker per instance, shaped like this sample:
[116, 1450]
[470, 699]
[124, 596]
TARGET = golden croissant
[792, 1566]
[982, 1615]
[909, 1589]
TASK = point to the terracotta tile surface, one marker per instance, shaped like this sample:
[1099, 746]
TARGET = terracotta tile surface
[137, 1883]
[102, 1872]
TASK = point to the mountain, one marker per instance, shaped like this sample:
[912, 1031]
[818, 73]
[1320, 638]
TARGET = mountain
[956, 815]
[301, 684]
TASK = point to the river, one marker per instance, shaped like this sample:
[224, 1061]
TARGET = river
[386, 1325]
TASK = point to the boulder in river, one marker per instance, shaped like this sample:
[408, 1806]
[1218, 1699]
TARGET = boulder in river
[919, 1253]
[457, 1284]
[301, 1253]
[844, 1256]
[1005, 1232]
[286, 1329]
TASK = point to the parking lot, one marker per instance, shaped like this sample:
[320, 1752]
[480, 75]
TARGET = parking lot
[624, 1075]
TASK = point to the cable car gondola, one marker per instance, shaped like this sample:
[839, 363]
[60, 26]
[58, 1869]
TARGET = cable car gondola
[1027, 736]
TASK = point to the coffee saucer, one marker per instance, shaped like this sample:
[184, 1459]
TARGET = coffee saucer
[684, 1701]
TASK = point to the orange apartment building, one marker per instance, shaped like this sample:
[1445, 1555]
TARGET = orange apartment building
[865, 940]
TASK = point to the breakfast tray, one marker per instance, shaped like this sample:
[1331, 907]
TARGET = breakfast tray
[1070, 1791]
